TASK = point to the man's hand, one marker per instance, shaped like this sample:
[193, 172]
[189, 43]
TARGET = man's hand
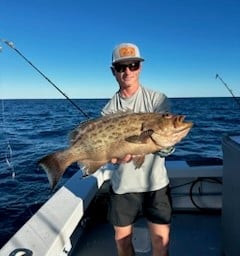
[124, 160]
[128, 158]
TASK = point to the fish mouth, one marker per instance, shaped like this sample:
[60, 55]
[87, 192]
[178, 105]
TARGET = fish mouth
[180, 124]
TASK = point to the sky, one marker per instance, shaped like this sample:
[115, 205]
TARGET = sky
[185, 43]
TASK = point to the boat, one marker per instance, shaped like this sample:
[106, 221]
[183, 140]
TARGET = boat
[205, 213]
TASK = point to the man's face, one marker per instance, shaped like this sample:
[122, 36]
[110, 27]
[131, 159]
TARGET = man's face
[127, 73]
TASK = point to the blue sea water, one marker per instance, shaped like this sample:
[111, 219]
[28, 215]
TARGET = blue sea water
[30, 129]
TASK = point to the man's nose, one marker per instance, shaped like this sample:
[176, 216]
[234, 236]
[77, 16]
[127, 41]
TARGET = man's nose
[127, 70]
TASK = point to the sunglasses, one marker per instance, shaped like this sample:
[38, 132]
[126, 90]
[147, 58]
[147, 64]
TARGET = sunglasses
[122, 67]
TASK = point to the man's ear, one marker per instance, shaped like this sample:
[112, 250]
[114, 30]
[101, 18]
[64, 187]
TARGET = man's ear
[113, 71]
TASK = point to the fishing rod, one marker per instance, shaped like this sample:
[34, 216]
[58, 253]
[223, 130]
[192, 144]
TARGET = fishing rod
[11, 45]
[8, 152]
[234, 97]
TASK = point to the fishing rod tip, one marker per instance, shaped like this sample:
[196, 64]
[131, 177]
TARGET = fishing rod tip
[9, 43]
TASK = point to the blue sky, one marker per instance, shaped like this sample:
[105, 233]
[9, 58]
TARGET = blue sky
[184, 43]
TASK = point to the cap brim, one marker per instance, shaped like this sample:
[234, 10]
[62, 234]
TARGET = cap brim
[127, 60]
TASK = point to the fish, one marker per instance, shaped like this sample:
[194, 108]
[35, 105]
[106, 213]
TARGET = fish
[96, 142]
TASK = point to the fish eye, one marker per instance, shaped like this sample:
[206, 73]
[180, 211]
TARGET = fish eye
[167, 115]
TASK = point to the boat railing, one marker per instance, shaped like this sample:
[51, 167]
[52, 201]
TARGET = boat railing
[49, 230]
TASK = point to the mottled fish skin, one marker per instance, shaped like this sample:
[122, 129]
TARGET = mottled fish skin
[95, 142]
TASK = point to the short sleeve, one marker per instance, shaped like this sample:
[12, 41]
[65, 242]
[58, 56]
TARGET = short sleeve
[161, 103]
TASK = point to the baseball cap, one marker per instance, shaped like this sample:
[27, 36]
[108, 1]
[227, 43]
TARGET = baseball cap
[126, 52]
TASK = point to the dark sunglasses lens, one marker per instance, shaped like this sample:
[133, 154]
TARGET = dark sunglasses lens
[122, 67]
[134, 66]
[119, 68]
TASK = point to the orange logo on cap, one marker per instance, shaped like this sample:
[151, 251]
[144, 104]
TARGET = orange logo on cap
[127, 51]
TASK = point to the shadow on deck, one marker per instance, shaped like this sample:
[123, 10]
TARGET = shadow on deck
[192, 234]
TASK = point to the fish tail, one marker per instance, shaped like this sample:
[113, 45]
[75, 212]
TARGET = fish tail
[55, 165]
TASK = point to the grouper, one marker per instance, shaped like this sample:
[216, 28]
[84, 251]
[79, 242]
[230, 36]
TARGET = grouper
[96, 142]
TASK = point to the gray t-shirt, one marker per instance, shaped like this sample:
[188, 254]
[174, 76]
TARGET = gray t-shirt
[152, 175]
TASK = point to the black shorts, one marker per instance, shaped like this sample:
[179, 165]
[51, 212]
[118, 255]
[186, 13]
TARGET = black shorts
[156, 206]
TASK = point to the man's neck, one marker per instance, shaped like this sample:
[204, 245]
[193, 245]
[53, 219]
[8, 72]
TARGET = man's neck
[127, 92]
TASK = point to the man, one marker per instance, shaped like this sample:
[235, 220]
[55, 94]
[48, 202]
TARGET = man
[138, 190]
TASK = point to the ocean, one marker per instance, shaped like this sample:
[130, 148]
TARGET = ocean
[30, 129]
